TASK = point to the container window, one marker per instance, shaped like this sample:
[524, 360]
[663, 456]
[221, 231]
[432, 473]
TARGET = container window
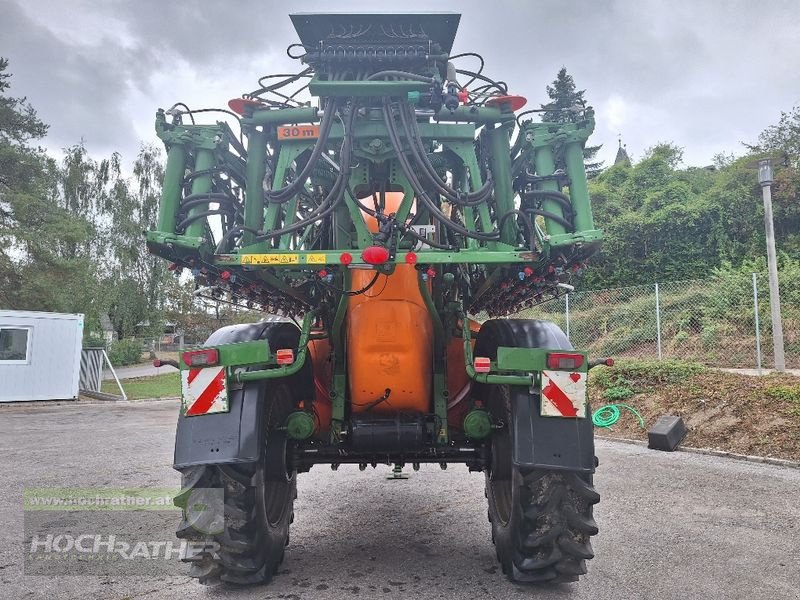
[15, 345]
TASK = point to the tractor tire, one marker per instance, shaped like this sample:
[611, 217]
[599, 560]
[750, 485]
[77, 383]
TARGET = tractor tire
[541, 519]
[245, 544]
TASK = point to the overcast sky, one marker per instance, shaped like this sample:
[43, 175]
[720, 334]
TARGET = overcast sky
[705, 75]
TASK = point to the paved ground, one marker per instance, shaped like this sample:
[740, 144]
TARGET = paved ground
[679, 526]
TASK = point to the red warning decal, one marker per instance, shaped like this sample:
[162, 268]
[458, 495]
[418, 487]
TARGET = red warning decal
[563, 394]
[204, 391]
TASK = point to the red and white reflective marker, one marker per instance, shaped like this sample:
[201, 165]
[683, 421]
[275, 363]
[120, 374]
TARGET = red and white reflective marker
[563, 394]
[204, 391]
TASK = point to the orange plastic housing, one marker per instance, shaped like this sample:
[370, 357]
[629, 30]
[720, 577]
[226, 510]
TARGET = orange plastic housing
[389, 339]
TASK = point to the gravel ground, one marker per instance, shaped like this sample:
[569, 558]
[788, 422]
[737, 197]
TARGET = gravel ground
[672, 525]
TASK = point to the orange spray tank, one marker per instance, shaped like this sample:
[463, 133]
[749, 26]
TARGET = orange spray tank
[389, 338]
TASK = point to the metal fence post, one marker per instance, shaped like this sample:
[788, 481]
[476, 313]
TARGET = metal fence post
[566, 313]
[658, 322]
[758, 328]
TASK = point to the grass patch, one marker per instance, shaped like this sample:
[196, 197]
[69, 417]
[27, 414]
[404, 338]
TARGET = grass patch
[167, 385]
[724, 411]
[785, 393]
[628, 377]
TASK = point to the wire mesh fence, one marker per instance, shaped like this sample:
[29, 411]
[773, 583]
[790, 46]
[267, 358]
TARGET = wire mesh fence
[723, 321]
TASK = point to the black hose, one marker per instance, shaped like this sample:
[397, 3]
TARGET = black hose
[366, 288]
[418, 151]
[335, 195]
[499, 85]
[206, 213]
[559, 197]
[227, 201]
[286, 193]
[208, 196]
[220, 249]
[528, 225]
[290, 78]
[295, 56]
[419, 190]
[548, 215]
[358, 203]
[480, 69]
[188, 110]
[195, 174]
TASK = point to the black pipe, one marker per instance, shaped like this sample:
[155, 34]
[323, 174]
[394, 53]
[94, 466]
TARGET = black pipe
[421, 193]
[336, 193]
[287, 192]
[528, 224]
[418, 151]
[548, 215]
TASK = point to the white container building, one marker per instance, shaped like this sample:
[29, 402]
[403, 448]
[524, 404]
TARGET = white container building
[40, 355]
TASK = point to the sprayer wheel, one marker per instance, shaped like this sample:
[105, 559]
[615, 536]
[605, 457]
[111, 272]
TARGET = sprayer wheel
[541, 519]
[243, 543]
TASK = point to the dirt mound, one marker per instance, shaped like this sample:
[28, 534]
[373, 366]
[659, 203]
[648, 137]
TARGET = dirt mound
[723, 411]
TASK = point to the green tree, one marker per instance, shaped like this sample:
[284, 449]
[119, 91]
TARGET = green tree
[137, 279]
[783, 139]
[565, 106]
[35, 271]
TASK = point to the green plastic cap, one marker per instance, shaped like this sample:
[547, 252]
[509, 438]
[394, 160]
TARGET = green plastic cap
[300, 425]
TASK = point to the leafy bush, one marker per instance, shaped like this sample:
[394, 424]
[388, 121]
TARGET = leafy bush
[125, 352]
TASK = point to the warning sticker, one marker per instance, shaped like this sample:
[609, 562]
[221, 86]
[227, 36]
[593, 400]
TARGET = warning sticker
[204, 391]
[563, 394]
[316, 259]
[271, 259]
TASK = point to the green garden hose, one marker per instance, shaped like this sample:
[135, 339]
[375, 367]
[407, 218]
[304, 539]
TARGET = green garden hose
[608, 415]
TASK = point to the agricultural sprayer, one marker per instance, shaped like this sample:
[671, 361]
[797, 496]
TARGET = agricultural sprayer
[390, 228]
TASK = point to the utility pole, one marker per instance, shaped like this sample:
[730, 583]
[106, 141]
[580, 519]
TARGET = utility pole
[765, 179]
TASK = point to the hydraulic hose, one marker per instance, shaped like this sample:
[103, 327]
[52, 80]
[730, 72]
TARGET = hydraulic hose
[290, 78]
[528, 225]
[419, 190]
[206, 213]
[548, 215]
[499, 85]
[335, 195]
[196, 199]
[418, 151]
[559, 197]
[286, 193]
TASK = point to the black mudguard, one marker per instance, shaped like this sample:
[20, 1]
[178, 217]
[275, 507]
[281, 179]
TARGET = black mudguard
[238, 435]
[537, 441]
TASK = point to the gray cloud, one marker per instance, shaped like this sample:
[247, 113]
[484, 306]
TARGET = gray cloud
[705, 75]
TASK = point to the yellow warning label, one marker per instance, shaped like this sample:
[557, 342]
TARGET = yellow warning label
[316, 259]
[270, 259]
